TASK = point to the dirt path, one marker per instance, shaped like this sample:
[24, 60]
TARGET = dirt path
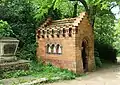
[106, 76]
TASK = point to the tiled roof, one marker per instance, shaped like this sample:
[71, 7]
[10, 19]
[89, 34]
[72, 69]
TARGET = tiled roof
[62, 27]
[69, 22]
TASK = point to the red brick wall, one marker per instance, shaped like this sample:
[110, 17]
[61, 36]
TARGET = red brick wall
[66, 59]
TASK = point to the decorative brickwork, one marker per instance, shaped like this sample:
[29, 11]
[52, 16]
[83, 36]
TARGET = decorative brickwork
[67, 43]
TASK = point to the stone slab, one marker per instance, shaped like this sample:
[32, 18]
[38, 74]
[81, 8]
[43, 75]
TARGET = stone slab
[16, 65]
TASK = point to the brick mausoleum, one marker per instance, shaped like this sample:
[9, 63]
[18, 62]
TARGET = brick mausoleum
[67, 43]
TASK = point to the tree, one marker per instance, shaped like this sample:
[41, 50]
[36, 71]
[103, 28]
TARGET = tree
[19, 15]
[93, 7]
[47, 8]
[116, 43]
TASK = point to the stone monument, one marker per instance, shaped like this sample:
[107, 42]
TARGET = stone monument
[8, 48]
[8, 59]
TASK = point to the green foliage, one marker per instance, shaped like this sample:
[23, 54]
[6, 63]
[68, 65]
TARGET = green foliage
[104, 36]
[106, 52]
[98, 62]
[49, 71]
[97, 59]
[104, 28]
[5, 29]
[15, 74]
[1, 73]
[57, 9]
[116, 43]
[28, 52]
[19, 14]
[40, 70]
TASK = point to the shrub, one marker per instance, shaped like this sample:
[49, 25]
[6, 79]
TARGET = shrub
[98, 62]
[28, 52]
[4, 29]
[1, 73]
[41, 71]
[106, 52]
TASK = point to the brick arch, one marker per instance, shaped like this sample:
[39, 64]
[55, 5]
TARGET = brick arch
[48, 47]
[85, 52]
[88, 40]
[58, 49]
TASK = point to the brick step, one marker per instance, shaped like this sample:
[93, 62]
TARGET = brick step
[16, 65]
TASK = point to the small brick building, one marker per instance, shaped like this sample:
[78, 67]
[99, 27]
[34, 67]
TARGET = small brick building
[67, 43]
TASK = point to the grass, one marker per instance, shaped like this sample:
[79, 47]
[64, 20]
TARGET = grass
[1, 83]
[40, 70]
[49, 71]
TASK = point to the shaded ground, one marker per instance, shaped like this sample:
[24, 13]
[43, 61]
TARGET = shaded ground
[110, 75]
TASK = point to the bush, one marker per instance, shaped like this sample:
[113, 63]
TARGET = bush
[40, 70]
[106, 52]
[97, 59]
[1, 73]
[5, 29]
[98, 62]
[28, 52]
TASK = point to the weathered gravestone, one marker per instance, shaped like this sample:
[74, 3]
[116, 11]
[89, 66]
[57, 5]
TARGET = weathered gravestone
[8, 59]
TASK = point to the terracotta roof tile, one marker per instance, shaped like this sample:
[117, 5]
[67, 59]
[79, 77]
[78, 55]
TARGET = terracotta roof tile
[69, 22]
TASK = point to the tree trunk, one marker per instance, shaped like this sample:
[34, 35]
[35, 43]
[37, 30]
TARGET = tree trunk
[85, 5]
[90, 10]
[75, 10]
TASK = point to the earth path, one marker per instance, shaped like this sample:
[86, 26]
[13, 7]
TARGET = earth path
[106, 76]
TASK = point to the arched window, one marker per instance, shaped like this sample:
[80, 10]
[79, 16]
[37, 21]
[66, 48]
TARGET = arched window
[58, 49]
[48, 48]
[70, 32]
